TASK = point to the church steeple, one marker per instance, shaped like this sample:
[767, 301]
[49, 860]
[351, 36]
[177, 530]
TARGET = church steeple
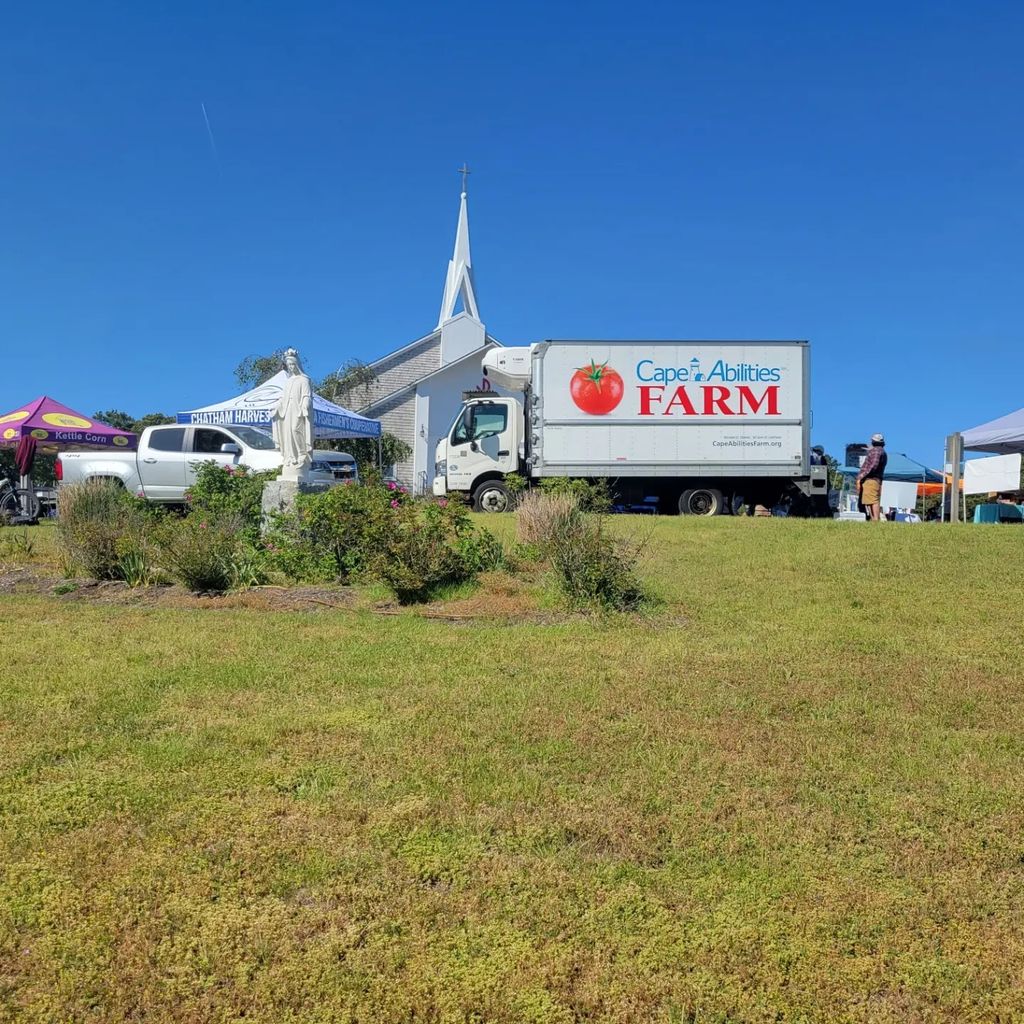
[459, 281]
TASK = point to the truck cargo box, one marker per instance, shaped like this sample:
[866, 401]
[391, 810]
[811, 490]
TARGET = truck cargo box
[669, 408]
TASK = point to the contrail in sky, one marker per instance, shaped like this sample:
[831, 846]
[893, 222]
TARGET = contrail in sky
[213, 145]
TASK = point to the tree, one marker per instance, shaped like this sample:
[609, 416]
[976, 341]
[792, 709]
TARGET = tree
[121, 420]
[255, 370]
[116, 418]
[151, 419]
[42, 467]
[349, 384]
[364, 449]
[835, 478]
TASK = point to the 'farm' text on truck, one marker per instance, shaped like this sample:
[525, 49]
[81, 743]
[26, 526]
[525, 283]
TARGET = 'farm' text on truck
[696, 425]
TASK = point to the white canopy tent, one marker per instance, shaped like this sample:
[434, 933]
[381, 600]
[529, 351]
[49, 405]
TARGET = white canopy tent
[253, 409]
[1004, 436]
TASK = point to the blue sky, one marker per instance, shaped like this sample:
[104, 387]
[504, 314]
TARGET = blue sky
[848, 173]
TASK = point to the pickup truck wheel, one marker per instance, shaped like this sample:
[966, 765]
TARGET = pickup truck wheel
[492, 496]
[701, 501]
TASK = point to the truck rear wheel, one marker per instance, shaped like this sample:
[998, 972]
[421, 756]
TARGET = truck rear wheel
[492, 496]
[701, 501]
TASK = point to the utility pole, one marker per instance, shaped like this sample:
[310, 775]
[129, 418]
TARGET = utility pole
[954, 460]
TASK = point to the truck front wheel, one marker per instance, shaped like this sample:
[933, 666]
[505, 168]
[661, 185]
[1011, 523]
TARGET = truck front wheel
[701, 501]
[492, 496]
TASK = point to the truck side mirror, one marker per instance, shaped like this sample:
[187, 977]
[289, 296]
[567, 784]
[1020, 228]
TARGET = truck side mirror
[473, 446]
[230, 449]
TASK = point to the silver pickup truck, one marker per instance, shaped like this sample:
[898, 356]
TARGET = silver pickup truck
[164, 467]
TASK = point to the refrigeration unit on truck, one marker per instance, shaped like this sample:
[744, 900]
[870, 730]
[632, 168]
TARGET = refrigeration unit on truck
[692, 426]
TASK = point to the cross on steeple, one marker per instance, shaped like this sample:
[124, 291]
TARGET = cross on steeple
[465, 172]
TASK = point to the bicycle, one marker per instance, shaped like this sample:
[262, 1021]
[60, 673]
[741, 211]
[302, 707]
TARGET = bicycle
[17, 501]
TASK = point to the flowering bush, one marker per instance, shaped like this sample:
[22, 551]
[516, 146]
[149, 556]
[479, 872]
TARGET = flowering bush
[222, 490]
[379, 531]
[335, 534]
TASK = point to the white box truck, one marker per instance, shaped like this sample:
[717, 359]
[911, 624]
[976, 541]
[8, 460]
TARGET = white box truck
[687, 426]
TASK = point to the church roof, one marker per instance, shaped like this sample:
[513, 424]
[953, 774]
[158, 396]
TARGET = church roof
[475, 354]
[432, 336]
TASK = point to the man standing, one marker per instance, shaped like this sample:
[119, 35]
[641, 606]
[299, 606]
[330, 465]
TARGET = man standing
[820, 504]
[869, 479]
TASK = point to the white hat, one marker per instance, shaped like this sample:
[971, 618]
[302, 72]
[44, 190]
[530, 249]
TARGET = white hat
[877, 439]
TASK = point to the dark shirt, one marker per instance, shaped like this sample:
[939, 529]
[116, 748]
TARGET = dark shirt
[873, 466]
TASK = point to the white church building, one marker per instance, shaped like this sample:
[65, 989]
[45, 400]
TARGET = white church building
[418, 388]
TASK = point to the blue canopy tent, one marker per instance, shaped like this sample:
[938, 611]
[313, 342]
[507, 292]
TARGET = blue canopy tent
[254, 408]
[900, 467]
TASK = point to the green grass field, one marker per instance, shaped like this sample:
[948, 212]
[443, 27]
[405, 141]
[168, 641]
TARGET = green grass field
[791, 793]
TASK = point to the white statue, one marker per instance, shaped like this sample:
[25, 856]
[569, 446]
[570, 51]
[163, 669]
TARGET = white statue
[292, 419]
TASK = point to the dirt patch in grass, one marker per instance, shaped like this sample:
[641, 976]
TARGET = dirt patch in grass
[498, 597]
[268, 598]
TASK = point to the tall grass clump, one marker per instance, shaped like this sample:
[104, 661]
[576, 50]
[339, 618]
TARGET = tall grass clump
[593, 568]
[102, 532]
[538, 514]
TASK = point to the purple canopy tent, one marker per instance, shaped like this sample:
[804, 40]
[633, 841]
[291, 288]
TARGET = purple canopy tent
[49, 424]
[54, 425]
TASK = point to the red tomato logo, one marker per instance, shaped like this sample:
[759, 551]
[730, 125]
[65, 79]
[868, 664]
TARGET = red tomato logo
[597, 388]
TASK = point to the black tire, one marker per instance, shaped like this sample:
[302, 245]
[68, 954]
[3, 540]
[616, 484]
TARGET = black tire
[701, 501]
[492, 496]
[9, 506]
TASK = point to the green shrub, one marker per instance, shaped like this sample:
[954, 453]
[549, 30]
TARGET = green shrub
[419, 558]
[248, 568]
[99, 527]
[516, 484]
[593, 568]
[481, 551]
[335, 534]
[377, 531]
[232, 491]
[133, 565]
[201, 550]
[592, 495]
[297, 559]
[16, 545]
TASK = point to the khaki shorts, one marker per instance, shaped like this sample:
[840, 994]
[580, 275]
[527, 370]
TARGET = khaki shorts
[871, 492]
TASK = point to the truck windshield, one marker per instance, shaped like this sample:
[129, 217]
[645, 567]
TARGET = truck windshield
[479, 421]
[254, 438]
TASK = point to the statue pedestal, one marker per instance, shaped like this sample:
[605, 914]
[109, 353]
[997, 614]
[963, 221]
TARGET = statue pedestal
[279, 495]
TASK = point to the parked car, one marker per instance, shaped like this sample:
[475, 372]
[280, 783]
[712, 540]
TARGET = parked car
[164, 467]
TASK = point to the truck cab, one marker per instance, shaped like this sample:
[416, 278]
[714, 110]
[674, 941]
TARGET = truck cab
[483, 445]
